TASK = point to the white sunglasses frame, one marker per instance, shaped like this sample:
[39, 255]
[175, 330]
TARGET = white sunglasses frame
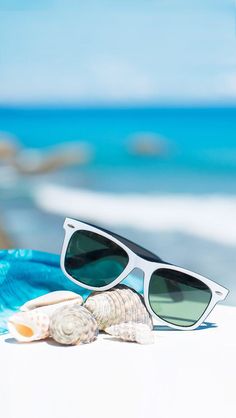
[219, 292]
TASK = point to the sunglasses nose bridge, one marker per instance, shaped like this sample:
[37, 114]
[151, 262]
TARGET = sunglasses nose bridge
[142, 264]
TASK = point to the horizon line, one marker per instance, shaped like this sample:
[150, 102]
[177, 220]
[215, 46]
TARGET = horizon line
[111, 106]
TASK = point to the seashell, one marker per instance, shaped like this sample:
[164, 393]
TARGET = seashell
[73, 325]
[50, 299]
[29, 326]
[117, 305]
[34, 324]
[131, 331]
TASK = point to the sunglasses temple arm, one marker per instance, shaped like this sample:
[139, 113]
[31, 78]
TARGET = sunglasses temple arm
[138, 249]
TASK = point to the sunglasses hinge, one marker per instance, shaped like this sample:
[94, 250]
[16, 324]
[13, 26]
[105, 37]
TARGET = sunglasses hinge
[219, 293]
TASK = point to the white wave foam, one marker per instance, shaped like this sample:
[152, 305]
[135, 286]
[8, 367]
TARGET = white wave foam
[211, 217]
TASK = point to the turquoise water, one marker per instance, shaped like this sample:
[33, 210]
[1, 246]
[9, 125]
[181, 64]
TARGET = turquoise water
[200, 144]
[200, 159]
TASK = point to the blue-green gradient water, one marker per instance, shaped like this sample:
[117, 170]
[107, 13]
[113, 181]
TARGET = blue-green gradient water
[199, 159]
[200, 145]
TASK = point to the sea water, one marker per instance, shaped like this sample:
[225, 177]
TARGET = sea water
[200, 144]
[199, 159]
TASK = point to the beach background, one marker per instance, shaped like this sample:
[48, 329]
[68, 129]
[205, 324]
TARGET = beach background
[123, 115]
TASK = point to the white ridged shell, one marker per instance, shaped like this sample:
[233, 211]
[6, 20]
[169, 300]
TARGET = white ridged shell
[51, 299]
[131, 331]
[73, 325]
[117, 305]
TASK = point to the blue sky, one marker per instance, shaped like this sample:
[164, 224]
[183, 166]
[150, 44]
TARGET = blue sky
[126, 51]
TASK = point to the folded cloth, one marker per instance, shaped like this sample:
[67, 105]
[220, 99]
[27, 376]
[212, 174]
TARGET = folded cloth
[27, 274]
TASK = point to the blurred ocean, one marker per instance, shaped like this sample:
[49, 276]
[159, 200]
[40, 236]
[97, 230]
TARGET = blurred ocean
[200, 143]
[138, 154]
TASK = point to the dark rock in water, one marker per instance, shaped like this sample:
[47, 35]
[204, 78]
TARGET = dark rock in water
[35, 161]
[38, 161]
[5, 240]
[9, 146]
[148, 145]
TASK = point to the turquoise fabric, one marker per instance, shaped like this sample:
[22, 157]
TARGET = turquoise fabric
[27, 274]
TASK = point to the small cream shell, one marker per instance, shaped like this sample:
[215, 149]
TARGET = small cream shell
[117, 305]
[72, 325]
[131, 331]
[29, 326]
[33, 324]
[50, 299]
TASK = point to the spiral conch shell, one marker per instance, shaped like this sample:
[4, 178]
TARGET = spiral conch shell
[131, 331]
[72, 325]
[32, 323]
[118, 305]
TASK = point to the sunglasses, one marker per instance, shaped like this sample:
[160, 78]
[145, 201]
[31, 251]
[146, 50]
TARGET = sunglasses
[98, 259]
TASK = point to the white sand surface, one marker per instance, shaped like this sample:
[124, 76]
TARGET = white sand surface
[184, 374]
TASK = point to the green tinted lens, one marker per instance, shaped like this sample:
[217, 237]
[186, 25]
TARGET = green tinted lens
[178, 298]
[93, 259]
